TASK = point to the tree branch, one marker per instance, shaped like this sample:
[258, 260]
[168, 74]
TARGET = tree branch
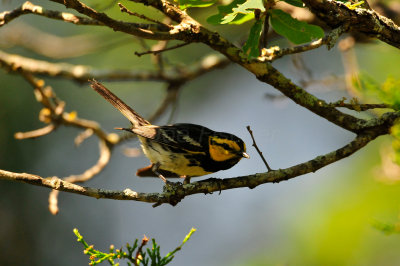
[116, 25]
[175, 193]
[35, 133]
[124, 9]
[361, 107]
[155, 52]
[82, 73]
[29, 8]
[59, 184]
[265, 72]
[367, 21]
[329, 40]
[258, 150]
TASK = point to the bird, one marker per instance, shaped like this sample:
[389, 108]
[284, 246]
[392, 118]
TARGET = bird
[179, 150]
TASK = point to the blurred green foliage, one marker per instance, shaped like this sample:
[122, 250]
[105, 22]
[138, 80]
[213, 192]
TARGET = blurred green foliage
[387, 92]
[338, 225]
[354, 219]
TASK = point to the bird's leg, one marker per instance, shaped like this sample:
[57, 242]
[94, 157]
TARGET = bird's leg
[155, 169]
[186, 179]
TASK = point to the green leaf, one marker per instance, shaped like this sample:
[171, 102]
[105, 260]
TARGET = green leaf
[184, 4]
[251, 45]
[247, 7]
[297, 3]
[237, 12]
[296, 31]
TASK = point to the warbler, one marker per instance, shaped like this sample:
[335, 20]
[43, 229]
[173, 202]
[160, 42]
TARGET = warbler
[178, 150]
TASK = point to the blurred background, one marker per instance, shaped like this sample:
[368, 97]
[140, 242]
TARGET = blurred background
[324, 218]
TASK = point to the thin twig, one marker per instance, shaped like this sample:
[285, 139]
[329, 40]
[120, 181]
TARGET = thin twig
[258, 150]
[152, 31]
[126, 10]
[83, 136]
[362, 106]
[82, 73]
[29, 8]
[53, 201]
[139, 252]
[162, 50]
[35, 133]
[57, 116]
[330, 39]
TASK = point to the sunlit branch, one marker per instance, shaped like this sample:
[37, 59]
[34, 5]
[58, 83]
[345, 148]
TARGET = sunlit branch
[117, 25]
[29, 8]
[35, 133]
[82, 73]
[329, 40]
[361, 20]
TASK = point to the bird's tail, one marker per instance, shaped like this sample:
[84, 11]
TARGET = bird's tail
[128, 112]
[148, 172]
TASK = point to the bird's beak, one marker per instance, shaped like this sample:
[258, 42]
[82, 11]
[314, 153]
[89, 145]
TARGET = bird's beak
[126, 129]
[245, 155]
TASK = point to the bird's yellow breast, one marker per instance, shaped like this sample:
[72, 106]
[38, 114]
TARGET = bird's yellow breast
[170, 161]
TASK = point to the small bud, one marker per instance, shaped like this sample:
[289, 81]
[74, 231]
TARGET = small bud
[71, 116]
[113, 138]
[145, 240]
[45, 115]
[40, 83]
[48, 92]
